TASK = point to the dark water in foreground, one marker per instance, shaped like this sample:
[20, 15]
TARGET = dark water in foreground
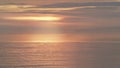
[62, 55]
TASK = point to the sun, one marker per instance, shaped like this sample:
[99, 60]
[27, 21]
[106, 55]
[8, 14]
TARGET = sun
[36, 18]
[49, 18]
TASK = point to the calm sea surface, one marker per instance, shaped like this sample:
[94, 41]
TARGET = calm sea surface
[62, 55]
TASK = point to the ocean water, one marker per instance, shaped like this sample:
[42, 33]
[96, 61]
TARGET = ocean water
[59, 55]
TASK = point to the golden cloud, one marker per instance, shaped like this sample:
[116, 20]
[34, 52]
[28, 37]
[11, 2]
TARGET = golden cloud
[24, 8]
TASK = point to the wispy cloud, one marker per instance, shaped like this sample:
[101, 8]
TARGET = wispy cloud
[25, 8]
[54, 7]
[71, 4]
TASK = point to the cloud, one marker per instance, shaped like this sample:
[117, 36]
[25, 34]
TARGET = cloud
[43, 2]
[25, 8]
[14, 8]
[96, 20]
[82, 4]
[54, 7]
[74, 11]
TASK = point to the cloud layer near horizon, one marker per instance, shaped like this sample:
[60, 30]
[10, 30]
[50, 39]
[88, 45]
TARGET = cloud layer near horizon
[99, 21]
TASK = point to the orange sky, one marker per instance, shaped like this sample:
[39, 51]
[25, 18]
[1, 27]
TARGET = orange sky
[62, 21]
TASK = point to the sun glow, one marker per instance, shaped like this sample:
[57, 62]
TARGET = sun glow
[46, 38]
[36, 18]
[47, 41]
[47, 28]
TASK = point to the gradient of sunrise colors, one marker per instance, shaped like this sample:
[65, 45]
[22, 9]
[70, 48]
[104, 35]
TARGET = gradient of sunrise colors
[59, 21]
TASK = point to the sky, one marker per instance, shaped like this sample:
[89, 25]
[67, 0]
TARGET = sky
[59, 21]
